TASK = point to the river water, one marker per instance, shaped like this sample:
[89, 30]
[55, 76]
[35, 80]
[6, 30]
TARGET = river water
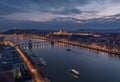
[93, 66]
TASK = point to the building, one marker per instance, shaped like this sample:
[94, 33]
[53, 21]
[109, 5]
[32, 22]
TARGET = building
[12, 67]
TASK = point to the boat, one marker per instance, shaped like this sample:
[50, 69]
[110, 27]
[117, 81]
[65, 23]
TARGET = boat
[42, 62]
[68, 49]
[75, 72]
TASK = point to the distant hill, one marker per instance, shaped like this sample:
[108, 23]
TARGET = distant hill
[100, 30]
[27, 31]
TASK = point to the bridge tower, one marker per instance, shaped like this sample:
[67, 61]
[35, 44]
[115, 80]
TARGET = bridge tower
[30, 44]
[50, 35]
[52, 43]
[1, 42]
[69, 37]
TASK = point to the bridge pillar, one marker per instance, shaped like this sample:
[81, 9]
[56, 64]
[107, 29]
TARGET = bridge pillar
[1, 42]
[30, 44]
[52, 43]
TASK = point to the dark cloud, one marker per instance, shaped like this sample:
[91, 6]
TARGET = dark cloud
[63, 8]
[15, 6]
[60, 2]
[43, 4]
[68, 11]
[5, 10]
[15, 2]
[69, 24]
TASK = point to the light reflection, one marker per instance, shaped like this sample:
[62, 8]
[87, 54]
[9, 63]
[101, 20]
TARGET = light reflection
[38, 43]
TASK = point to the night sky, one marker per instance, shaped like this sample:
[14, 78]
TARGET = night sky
[60, 14]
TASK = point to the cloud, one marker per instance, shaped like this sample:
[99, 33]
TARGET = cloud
[66, 11]
[6, 9]
[83, 12]
[57, 24]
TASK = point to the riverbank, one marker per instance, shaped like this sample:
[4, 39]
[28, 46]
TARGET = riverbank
[76, 43]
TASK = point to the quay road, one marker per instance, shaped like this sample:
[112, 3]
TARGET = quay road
[36, 73]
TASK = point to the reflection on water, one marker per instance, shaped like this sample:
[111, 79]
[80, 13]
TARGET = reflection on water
[94, 66]
[75, 76]
[37, 45]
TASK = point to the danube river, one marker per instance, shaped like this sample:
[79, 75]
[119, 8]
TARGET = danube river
[93, 66]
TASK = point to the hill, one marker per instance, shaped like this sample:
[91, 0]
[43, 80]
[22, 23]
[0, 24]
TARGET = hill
[27, 31]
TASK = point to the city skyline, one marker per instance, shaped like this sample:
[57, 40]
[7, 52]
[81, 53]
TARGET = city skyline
[63, 14]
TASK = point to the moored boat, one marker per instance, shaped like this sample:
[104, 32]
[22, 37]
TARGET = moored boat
[42, 62]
